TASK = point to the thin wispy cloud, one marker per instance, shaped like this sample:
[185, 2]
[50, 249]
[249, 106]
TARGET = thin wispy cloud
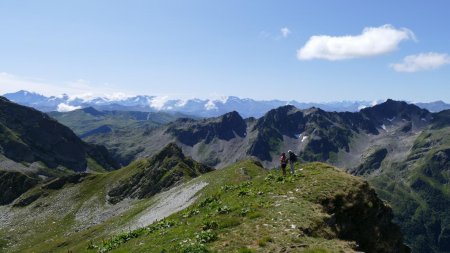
[421, 62]
[372, 41]
[285, 32]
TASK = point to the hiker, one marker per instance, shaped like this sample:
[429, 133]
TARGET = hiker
[292, 160]
[283, 161]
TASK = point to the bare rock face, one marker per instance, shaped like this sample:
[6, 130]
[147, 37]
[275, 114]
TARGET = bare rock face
[225, 127]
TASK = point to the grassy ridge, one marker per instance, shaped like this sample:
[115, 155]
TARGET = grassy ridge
[248, 209]
[244, 208]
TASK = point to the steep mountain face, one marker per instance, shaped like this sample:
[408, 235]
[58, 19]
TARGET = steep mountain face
[318, 132]
[226, 127]
[33, 143]
[394, 110]
[31, 136]
[13, 184]
[159, 173]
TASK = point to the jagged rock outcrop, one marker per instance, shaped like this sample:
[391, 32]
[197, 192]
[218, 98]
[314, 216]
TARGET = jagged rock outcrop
[225, 127]
[156, 174]
[13, 184]
[392, 109]
[362, 217]
[327, 131]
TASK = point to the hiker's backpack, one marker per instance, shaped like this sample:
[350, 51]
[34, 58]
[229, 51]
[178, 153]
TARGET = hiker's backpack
[293, 157]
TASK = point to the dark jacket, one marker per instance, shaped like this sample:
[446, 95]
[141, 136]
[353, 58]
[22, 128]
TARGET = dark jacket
[292, 157]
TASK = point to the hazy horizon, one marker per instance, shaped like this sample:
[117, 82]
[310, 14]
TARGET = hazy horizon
[122, 96]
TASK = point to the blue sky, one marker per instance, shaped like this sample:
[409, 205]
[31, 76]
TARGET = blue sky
[217, 48]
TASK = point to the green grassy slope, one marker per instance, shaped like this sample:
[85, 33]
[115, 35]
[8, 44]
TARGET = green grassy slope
[418, 190]
[84, 120]
[244, 208]
[248, 209]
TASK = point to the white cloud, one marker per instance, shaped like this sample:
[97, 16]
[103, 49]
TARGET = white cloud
[117, 96]
[181, 103]
[159, 102]
[66, 108]
[285, 32]
[210, 105]
[371, 42]
[85, 97]
[420, 62]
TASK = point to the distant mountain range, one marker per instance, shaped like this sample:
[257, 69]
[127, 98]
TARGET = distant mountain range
[194, 107]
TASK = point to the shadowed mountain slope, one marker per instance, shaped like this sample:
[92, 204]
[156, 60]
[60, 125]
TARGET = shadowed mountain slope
[34, 144]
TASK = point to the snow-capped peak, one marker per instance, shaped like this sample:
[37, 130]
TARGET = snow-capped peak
[210, 107]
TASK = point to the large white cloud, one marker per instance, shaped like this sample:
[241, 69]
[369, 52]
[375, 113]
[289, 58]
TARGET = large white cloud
[420, 62]
[371, 42]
